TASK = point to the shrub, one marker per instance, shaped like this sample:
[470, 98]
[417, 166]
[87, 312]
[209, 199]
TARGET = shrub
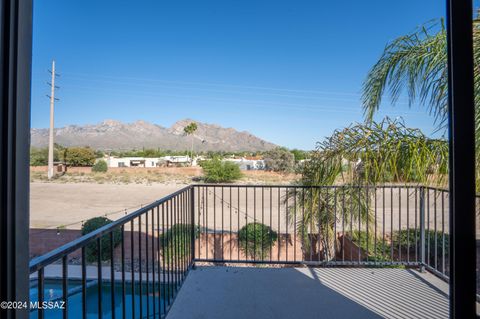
[100, 167]
[91, 250]
[39, 156]
[80, 156]
[256, 240]
[405, 240]
[217, 171]
[279, 160]
[176, 241]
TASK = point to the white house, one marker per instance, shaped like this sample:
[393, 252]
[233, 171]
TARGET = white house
[113, 161]
[176, 160]
[246, 164]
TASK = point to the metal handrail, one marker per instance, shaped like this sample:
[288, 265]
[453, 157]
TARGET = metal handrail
[56, 254]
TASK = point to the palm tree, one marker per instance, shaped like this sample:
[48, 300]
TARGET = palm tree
[388, 152]
[417, 63]
[189, 130]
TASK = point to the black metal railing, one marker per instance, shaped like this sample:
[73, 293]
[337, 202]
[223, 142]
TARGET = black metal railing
[134, 266]
[137, 278]
[323, 225]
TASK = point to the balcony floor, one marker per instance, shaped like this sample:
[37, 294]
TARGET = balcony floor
[237, 292]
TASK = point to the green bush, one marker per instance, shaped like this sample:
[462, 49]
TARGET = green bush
[217, 171]
[91, 250]
[100, 167]
[80, 156]
[256, 240]
[176, 241]
[39, 156]
[405, 239]
[279, 160]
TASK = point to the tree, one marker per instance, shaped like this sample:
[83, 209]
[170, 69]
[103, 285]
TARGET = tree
[217, 171]
[388, 152]
[417, 63]
[189, 130]
[299, 155]
[279, 160]
[80, 156]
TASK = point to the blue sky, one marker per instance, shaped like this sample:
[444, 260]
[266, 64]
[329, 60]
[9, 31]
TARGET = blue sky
[287, 71]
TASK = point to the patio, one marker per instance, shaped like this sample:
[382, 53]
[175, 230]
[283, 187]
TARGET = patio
[257, 292]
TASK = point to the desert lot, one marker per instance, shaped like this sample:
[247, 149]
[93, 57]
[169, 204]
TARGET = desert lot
[80, 194]
[67, 204]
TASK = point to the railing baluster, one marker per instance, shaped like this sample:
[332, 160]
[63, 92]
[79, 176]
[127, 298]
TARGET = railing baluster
[223, 214]
[99, 276]
[238, 222]
[205, 190]
[84, 283]
[408, 225]
[65, 286]
[286, 224]
[279, 232]
[422, 229]
[359, 221]
[367, 203]
[132, 265]
[164, 281]
[147, 280]
[399, 224]
[443, 232]
[169, 249]
[435, 226]
[428, 227]
[312, 215]
[159, 269]
[246, 220]
[124, 308]
[263, 221]
[319, 217]
[391, 225]
[343, 223]
[335, 248]
[295, 223]
[41, 288]
[383, 221]
[140, 264]
[416, 224]
[375, 227]
[112, 277]
[153, 264]
[271, 224]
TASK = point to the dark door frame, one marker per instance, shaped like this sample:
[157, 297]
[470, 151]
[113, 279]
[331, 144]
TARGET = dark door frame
[461, 127]
[15, 65]
[15, 69]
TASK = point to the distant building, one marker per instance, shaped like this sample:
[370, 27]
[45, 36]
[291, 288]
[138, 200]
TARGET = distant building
[148, 162]
[113, 161]
[175, 161]
[248, 164]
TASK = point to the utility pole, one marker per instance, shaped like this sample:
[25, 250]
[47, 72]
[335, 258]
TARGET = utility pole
[52, 108]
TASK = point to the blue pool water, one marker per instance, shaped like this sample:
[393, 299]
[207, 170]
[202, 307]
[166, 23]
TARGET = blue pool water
[53, 292]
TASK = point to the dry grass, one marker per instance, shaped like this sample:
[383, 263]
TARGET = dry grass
[163, 175]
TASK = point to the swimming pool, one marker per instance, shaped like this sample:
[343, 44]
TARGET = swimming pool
[53, 292]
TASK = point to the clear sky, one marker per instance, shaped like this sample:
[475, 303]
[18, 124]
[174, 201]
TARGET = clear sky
[287, 71]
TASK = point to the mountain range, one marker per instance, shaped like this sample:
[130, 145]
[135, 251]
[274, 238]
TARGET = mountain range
[116, 135]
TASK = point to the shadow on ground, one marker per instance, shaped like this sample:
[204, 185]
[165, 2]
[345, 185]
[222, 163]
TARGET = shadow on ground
[236, 292]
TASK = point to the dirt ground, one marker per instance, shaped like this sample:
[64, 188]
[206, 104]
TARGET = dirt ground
[80, 194]
[65, 205]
